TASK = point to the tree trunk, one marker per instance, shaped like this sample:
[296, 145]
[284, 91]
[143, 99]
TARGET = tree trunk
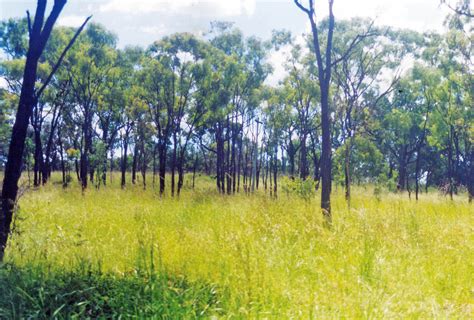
[124, 161]
[347, 173]
[326, 154]
[39, 35]
[134, 163]
[275, 172]
[402, 170]
[173, 163]
[162, 165]
[38, 166]
[303, 158]
[194, 170]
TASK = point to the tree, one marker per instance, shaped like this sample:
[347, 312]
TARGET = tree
[39, 32]
[324, 67]
[463, 7]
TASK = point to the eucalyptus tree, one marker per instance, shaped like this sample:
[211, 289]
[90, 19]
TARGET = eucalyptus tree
[89, 66]
[179, 54]
[302, 94]
[359, 83]
[245, 71]
[324, 72]
[157, 90]
[39, 32]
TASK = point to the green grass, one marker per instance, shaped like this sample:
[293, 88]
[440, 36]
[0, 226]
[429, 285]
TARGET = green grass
[238, 256]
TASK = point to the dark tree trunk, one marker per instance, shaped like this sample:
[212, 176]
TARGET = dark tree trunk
[134, 163]
[303, 158]
[347, 174]
[143, 167]
[239, 161]
[402, 169]
[162, 165]
[228, 158]
[220, 159]
[470, 179]
[39, 34]
[324, 77]
[38, 166]
[105, 134]
[291, 157]
[173, 163]
[63, 165]
[417, 173]
[85, 152]
[49, 145]
[194, 170]
[124, 160]
[154, 166]
[275, 172]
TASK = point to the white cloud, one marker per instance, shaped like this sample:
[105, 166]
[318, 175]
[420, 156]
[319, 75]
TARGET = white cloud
[161, 29]
[419, 15]
[184, 7]
[71, 21]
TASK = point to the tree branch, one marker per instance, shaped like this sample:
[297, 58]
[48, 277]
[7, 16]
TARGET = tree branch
[304, 9]
[28, 17]
[63, 54]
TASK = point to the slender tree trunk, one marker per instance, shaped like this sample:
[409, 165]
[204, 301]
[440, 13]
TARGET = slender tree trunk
[402, 169]
[134, 163]
[63, 165]
[154, 166]
[38, 166]
[275, 172]
[303, 158]
[162, 165]
[347, 169]
[194, 170]
[173, 164]
[239, 161]
[291, 157]
[143, 167]
[417, 173]
[124, 159]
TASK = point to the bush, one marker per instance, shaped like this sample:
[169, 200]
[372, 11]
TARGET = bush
[304, 189]
[36, 292]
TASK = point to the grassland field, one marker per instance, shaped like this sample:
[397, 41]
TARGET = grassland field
[113, 253]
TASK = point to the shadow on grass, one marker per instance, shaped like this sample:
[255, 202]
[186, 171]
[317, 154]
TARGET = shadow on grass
[36, 292]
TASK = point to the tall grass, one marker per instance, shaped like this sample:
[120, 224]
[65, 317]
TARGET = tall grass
[250, 256]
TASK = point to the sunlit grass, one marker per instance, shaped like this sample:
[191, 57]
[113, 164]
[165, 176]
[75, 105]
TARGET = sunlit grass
[265, 257]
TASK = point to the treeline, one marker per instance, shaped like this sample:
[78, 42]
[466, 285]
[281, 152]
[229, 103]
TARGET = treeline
[204, 104]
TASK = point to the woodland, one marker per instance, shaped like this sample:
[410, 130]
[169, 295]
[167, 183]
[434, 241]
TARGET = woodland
[176, 181]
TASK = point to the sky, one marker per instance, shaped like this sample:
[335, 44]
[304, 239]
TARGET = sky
[141, 22]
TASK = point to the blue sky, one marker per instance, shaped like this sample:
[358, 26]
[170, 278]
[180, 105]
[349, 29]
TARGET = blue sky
[140, 22]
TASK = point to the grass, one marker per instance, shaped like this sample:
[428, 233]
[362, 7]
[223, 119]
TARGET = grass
[241, 256]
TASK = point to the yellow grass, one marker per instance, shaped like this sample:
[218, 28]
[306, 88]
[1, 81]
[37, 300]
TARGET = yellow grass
[392, 258]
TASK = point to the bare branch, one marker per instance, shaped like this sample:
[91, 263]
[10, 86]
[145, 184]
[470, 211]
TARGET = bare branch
[28, 17]
[463, 11]
[63, 54]
[303, 8]
[357, 39]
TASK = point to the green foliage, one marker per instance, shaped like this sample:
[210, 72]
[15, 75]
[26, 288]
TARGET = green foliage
[47, 293]
[305, 189]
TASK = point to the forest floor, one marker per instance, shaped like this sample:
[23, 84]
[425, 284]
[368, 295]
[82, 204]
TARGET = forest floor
[114, 252]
